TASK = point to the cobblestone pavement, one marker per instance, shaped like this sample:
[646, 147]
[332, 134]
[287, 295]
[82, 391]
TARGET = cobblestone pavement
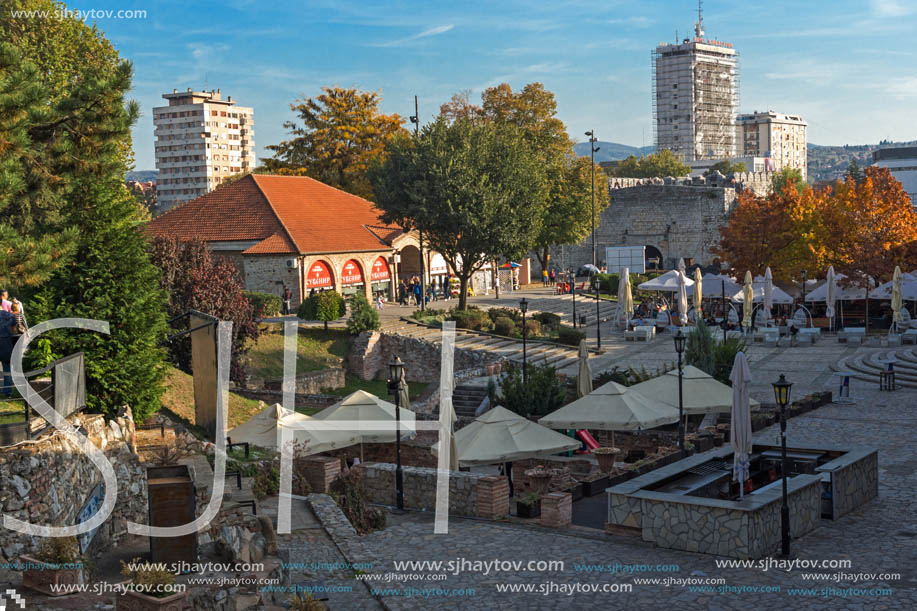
[881, 537]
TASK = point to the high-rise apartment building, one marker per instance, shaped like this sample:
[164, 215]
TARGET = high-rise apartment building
[695, 97]
[201, 139]
[782, 138]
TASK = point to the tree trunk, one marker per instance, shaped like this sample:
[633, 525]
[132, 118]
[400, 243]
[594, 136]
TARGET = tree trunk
[326, 325]
[543, 257]
[463, 290]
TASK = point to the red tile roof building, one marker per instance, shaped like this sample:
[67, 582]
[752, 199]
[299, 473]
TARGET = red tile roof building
[295, 231]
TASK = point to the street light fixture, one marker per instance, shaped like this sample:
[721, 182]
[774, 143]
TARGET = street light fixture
[524, 307]
[782, 396]
[593, 149]
[680, 348]
[395, 371]
[804, 287]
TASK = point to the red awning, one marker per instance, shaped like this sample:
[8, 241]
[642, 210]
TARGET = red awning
[352, 273]
[380, 270]
[319, 276]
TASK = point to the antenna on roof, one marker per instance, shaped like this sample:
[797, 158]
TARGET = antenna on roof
[676, 37]
[205, 81]
[699, 26]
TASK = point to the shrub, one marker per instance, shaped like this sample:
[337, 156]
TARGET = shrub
[306, 603]
[267, 480]
[569, 335]
[324, 306]
[541, 394]
[349, 493]
[532, 328]
[472, 319]
[511, 313]
[547, 319]
[59, 550]
[264, 304]
[629, 376]
[724, 355]
[699, 348]
[504, 326]
[148, 578]
[169, 453]
[363, 316]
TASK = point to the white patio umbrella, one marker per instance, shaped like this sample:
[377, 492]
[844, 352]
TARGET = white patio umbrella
[698, 295]
[719, 284]
[683, 297]
[681, 265]
[844, 291]
[748, 299]
[584, 375]
[701, 393]
[667, 282]
[768, 293]
[830, 294]
[778, 295]
[740, 437]
[368, 409]
[625, 296]
[263, 429]
[896, 297]
[908, 288]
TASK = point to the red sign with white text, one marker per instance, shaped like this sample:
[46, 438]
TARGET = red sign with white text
[380, 270]
[319, 276]
[352, 273]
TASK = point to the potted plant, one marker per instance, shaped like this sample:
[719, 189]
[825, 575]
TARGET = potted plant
[55, 569]
[528, 506]
[149, 588]
[606, 458]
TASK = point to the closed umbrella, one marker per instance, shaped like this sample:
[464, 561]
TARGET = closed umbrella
[896, 297]
[748, 296]
[404, 395]
[768, 293]
[830, 295]
[740, 429]
[702, 394]
[625, 297]
[584, 375]
[682, 297]
[681, 264]
[698, 295]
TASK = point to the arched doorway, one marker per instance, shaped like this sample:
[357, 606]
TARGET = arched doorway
[654, 260]
[319, 277]
[410, 263]
[351, 278]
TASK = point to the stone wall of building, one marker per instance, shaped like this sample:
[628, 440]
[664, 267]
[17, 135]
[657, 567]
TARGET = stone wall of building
[49, 480]
[312, 382]
[371, 352]
[262, 273]
[470, 494]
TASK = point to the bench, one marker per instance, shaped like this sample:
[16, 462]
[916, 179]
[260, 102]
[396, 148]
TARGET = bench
[894, 339]
[909, 336]
[858, 334]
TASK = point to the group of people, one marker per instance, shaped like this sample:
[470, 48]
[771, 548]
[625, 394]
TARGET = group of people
[411, 292]
[548, 278]
[12, 326]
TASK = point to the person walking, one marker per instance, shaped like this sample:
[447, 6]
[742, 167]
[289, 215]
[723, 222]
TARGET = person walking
[287, 300]
[417, 292]
[6, 350]
[402, 293]
[553, 277]
[5, 303]
[544, 277]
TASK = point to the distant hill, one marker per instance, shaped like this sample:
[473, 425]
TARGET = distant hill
[142, 175]
[830, 162]
[612, 151]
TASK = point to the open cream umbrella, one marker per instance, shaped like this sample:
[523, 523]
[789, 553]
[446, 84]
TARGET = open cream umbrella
[667, 282]
[748, 297]
[584, 375]
[768, 293]
[625, 296]
[698, 295]
[702, 394]
[611, 407]
[263, 430]
[683, 297]
[740, 429]
[896, 297]
[367, 409]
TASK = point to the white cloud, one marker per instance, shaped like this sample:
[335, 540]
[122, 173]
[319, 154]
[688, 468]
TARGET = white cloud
[638, 21]
[441, 29]
[903, 87]
[892, 8]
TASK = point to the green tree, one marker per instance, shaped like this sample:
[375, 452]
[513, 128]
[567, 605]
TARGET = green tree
[726, 167]
[325, 306]
[363, 316]
[855, 172]
[786, 177]
[699, 348]
[541, 393]
[341, 134]
[656, 165]
[475, 188]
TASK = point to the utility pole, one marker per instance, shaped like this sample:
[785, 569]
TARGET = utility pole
[415, 119]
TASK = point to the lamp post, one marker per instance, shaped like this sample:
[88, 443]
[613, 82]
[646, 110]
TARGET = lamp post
[594, 149]
[395, 369]
[725, 317]
[415, 119]
[524, 307]
[573, 292]
[679, 348]
[803, 288]
[782, 395]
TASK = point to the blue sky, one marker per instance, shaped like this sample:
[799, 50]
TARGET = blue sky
[848, 66]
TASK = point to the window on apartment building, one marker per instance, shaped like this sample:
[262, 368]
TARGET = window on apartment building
[674, 85]
[676, 107]
[214, 113]
[222, 114]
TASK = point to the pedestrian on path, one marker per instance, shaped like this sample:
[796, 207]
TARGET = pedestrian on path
[417, 292]
[287, 300]
[553, 277]
[544, 277]
[5, 303]
[6, 349]
[402, 294]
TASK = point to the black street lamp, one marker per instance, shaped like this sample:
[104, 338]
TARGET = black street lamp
[803, 288]
[594, 149]
[524, 306]
[782, 395]
[573, 292]
[395, 370]
[680, 348]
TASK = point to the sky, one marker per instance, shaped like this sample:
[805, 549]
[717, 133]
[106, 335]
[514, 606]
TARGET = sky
[849, 67]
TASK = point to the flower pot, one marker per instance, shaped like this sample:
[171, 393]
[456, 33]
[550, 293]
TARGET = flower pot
[129, 600]
[524, 510]
[41, 576]
[606, 458]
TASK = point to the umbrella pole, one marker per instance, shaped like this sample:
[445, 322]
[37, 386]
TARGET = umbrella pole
[361, 452]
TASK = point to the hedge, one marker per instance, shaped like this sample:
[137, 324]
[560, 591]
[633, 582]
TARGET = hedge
[263, 304]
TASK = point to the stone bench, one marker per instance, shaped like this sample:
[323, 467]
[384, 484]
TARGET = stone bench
[909, 336]
[640, 333]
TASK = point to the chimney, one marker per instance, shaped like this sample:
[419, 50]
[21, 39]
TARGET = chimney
[175, 91]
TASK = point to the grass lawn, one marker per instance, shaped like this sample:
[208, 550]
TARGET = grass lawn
[375, 387]
[179, 399]
[12, 411]
[317, 349]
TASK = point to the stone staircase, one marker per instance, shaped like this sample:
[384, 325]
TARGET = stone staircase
[467, 398]
[537, 353]
[867, 365]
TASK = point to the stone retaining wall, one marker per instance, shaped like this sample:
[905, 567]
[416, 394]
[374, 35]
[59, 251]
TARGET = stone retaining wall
[312, 382]
[49, 480]
[371, 352]
[854, 480]
[470, 494]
